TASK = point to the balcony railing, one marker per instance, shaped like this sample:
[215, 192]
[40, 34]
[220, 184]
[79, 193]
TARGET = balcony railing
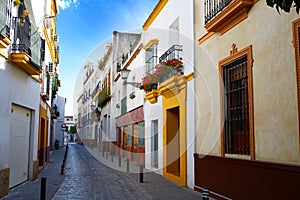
[26, 41]
[104, 97]
[171, 53]
[213, 7]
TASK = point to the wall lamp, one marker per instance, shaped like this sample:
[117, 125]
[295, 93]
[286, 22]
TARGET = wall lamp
[124, 74]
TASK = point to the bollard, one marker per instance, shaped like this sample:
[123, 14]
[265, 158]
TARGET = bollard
[127, 164]
[141, 174]
[119, 160]
[205, 194]
[62, 169]
[102, 153]
[43, 189]
[112, 157]
[106, 155]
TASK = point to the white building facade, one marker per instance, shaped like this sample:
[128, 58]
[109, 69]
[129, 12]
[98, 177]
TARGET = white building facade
[169, 109]
[22, 51]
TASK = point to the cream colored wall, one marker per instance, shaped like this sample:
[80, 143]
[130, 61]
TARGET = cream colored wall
[276, 132]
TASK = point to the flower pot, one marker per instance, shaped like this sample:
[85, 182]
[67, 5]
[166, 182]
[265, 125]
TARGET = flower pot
[154, 86]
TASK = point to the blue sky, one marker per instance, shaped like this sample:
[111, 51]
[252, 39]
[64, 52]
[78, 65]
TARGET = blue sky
[82, 25]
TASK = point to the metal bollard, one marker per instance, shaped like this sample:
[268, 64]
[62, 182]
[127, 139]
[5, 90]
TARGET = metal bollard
[112, 157]
[62, 169]
[127, 164]
[205, 194]
[106, 155]
[119, 161]
[43, 189]
[102, 153]
[141, 174]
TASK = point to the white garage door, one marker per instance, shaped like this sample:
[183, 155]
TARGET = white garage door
[19, 144]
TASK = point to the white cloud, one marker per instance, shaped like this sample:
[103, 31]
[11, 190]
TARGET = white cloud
[65, 4]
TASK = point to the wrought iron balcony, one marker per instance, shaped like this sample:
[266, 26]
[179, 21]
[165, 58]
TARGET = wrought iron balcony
[4, 29]
[213, 7]
[170, 63]
[104, 97]
[25, 50]
[171, 53]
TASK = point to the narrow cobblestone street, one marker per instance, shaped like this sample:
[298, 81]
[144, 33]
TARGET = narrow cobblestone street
[87, 178]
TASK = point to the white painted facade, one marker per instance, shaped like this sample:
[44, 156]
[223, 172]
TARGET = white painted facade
[20, 94]
[16, 93]
[58, 132]
[176, 15]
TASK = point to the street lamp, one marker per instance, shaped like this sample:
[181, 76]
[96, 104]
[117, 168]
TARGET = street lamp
[124, 74]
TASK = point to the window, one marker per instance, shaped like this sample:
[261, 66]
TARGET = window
[129, 135]
[154, 143]
[174, 33]
[123, 105]
[237, 134]
[151, 58]
[142, 134]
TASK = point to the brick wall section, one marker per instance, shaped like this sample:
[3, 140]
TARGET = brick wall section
[4, 182]
[35, 170]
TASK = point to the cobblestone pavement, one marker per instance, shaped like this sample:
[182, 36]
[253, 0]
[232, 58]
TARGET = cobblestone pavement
[87, 178]
[30, 190]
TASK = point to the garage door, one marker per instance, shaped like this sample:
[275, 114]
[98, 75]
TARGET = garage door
[19, 144]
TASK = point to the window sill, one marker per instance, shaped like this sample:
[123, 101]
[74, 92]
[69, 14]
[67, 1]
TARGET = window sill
[230, 16]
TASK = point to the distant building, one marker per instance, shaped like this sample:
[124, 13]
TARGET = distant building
[70, 124]
[59, 130]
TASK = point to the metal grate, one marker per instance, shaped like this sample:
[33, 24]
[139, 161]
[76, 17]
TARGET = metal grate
[236, 130]
[213, 7]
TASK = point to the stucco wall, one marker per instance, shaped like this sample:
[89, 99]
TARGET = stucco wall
[15, 91]
[274, 83]
[183, 11]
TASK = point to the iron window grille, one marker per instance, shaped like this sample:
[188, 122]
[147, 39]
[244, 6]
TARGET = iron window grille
[237, 129]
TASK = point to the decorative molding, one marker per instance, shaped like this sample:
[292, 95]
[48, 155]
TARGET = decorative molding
[169, 88]
[234, 13]
[151, 42]
[205, 37]
[152, 96]
[296, 44]
[22, 60]
[133, 56]
[161, 4]
[4, 42]
[233, 49]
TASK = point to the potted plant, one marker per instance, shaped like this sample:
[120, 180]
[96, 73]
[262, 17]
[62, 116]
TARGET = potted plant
[149, 82]
[168, 68]
[22, 18]
[17, 3]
